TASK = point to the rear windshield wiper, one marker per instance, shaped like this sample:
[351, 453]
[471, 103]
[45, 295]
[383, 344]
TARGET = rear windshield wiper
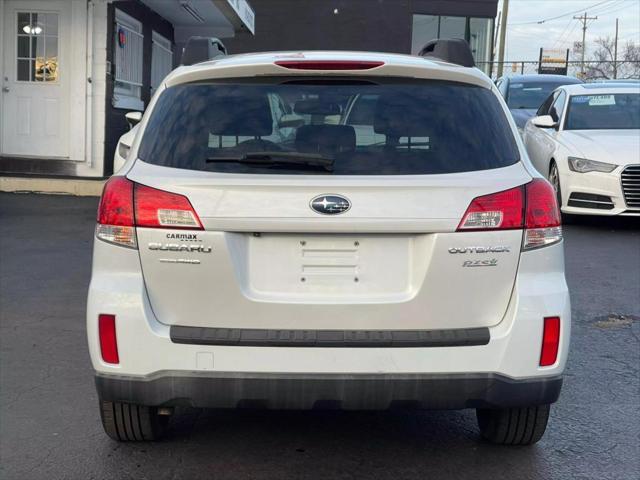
[278, 158]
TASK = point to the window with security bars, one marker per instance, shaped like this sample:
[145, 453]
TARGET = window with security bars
[161, 59]
[128, 62]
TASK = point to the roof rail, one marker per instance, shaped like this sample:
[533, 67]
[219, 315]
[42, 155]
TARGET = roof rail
[454, 50]
[201, 49]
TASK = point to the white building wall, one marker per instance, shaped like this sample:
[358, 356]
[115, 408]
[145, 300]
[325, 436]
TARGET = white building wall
[96, 74]
[86, 62]
[1, 60]
[78, 80]
[86, 69]
[99, 84]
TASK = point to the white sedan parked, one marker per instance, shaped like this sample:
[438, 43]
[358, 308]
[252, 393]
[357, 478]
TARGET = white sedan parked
[586, 140]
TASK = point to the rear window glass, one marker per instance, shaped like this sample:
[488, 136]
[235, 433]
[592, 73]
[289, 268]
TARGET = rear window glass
[329, 127]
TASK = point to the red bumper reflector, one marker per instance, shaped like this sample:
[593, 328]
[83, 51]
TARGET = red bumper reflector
[550, 341]
[108, 341]
[329, 64]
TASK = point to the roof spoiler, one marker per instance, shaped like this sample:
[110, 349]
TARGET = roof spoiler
[201, 49]
[455, 50]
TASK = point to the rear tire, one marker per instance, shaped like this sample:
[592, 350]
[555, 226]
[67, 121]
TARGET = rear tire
[513, 426]
[128, 422]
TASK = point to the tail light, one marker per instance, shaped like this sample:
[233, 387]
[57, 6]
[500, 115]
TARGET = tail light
[550, 341]
[159, 209]
[108, 340]
[116, 223]
[125, 205]
[542, 218]
[329, 64]
[502, 210]
[532, 207]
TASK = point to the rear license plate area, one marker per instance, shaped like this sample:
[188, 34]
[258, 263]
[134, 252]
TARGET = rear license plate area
[330, 267]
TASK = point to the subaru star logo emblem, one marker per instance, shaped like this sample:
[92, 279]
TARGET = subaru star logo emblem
[330, 204]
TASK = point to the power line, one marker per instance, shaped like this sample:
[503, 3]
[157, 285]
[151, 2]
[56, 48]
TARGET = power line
[556, 1]
[617, 9]
[566, 28]
[563, 15]
[598, 8]
[606, 9]
[634, 34]
[567, 38]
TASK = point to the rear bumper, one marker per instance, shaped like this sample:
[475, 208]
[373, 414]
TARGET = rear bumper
[330, 391]
[148, 350]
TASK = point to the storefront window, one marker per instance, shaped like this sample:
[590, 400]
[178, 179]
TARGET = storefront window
[452, 27]
[37, 47]
[477, 31]
[480, 38]
[425, 28]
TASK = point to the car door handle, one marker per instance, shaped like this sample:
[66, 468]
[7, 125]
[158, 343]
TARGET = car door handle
[5, 89]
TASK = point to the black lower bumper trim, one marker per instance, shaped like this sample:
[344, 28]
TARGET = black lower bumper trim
[590, 200]
[329, 338]
[334, 391]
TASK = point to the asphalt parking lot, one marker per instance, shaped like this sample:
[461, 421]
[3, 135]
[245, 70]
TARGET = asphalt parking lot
[50, 428]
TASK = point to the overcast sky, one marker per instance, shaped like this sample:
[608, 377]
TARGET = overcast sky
[525, 36]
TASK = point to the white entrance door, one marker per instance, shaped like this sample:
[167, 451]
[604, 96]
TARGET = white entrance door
[35, 79]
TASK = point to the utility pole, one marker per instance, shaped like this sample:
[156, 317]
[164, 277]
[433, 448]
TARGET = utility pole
[583, 19]
[503, 35]
[615, 54]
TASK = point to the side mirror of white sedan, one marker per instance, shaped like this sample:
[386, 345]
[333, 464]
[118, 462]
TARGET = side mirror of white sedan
[544, 121]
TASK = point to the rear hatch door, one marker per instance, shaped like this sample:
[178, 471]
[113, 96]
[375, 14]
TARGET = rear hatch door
[393, 261]
[269, 255]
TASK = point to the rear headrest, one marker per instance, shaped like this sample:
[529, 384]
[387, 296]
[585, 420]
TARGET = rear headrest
[243, 115]
[400, 115]
[328, 139]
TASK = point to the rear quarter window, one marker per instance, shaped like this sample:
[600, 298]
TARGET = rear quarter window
[329, 127]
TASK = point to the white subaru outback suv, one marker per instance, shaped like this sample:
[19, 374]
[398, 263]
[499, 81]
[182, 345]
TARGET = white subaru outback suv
[377, 240]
